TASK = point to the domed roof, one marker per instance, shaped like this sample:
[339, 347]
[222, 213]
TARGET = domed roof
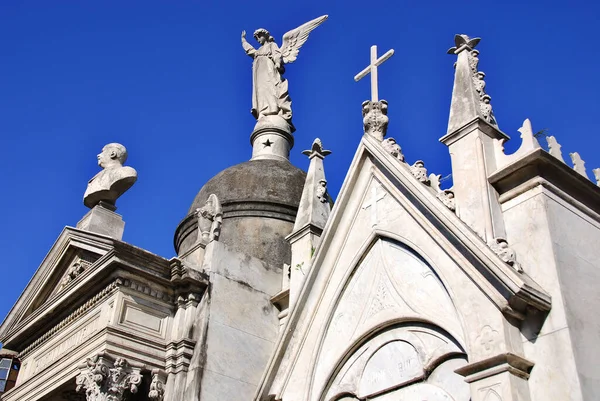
[273, 181]
[259, 199]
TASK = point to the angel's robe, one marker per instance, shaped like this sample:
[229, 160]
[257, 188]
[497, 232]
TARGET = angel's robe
[269, 89]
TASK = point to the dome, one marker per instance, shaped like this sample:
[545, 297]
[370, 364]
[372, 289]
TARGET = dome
[260, 201]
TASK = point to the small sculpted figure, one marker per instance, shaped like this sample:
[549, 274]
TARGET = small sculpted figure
[392, 147]
[322, 191]
[486, 109]
[507, 254]
[210, 218]
[447, 198]
[269, 89]
[419, 171]
[114, 179]
[479, 82]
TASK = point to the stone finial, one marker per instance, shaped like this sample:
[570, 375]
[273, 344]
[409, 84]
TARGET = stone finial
[375, 118]
[315, 204]
[392, 147]
[528, 143]
[469, 99]
[106, 378]
[210, 218]
[507, 254]
[316, 150]
[596, 172]
[419, 171]
[578, 164]
[554, 148]
[114, 179]
[463, 42]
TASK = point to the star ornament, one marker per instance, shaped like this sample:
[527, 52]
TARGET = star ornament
[267, 143]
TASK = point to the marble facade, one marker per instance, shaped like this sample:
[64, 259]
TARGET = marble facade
[399, 290]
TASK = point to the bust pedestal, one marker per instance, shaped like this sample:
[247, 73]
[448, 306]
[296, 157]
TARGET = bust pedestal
[102, 219]
[271, 139]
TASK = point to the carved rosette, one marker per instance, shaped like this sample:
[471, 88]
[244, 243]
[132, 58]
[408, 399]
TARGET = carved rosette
[106, 379]
[375, 118]
[506, 253]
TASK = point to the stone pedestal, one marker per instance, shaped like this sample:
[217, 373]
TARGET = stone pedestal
[102, 219]
[271, 139]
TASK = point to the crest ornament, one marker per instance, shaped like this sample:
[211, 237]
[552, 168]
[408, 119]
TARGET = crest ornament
[375, 118]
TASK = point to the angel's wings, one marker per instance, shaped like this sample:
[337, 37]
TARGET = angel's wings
[294, 39]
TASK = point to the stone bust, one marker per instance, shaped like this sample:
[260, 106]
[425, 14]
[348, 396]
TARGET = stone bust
[114, 179]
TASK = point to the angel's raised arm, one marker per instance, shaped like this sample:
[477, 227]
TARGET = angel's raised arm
[247, 46]
[294, 39]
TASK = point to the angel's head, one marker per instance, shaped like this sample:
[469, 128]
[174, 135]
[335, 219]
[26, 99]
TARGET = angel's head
[262, 36]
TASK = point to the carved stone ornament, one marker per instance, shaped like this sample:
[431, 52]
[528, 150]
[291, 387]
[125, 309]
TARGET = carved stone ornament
[321, 191]
[578, 164]
[375, 118]
[596, 172]
[419, 171]
[447, 198]
[269, 88]
[73, 272]
[210, 218]
[105, 378]
[464, 43]
[392, 147]
[507, 254]
[157, 386]
[554, 148]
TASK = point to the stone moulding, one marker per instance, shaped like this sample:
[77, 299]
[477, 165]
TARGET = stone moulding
[78, 312]
[507, 362]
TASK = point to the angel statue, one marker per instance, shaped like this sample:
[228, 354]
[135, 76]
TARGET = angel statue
[269, 89]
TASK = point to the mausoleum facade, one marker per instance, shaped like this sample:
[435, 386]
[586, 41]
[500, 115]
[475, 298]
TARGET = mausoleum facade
[398, 290]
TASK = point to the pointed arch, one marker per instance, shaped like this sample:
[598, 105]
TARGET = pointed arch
[382, 251]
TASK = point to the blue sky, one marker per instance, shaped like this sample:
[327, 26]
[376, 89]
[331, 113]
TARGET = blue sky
[171, 82]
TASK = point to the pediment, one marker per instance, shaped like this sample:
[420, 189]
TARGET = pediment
[72, 254]
[350, 292]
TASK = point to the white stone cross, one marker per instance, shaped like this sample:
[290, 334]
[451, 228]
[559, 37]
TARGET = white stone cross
[372, 68]
[373, 203]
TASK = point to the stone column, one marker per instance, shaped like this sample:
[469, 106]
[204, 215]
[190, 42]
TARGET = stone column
[105, 378]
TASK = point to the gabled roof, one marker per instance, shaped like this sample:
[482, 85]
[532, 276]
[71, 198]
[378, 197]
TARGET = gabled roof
[511, 292]
[75, 265]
